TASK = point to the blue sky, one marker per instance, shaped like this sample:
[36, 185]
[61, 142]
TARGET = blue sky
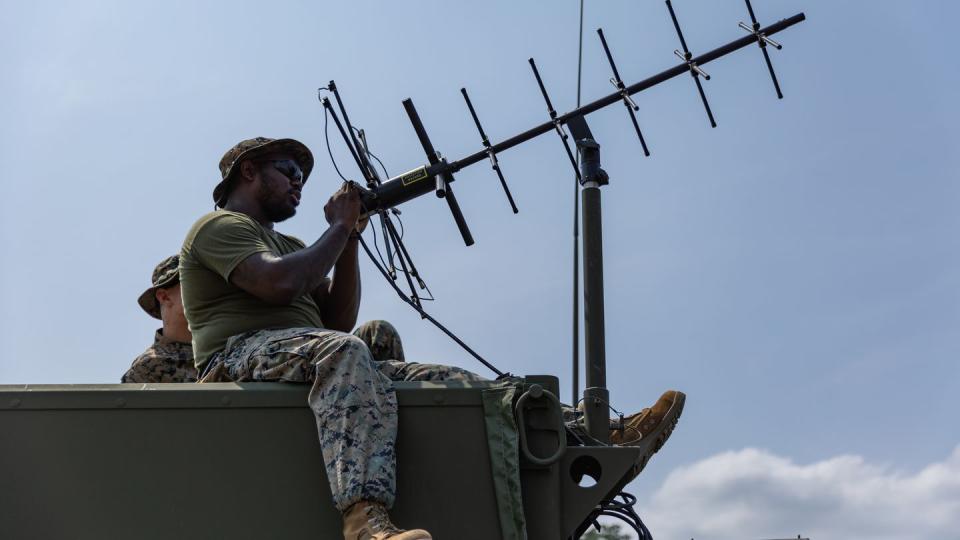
[795, 270]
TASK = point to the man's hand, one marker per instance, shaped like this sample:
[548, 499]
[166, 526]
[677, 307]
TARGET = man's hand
[343, 207]
[362, 224]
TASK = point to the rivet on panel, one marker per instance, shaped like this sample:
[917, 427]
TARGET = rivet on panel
[120, 402]
[15, 402]
[438, 398]
[225, 401]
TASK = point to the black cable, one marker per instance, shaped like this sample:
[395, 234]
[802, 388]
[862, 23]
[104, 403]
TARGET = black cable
[383, 272]
[396, 251]
[423, 284]
[326, 135]
[371, 154]
[382, 166]
[622, 510]
[426, 315]
[401, 224]
[377, 247]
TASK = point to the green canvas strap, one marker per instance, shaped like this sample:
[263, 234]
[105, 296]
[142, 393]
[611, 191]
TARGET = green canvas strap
[503, 440]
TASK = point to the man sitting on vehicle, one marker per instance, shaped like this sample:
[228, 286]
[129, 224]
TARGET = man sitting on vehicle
[262, 309]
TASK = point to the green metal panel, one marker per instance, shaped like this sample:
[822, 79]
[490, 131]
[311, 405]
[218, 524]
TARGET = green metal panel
[243, 461]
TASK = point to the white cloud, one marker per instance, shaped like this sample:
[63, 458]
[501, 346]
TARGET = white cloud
[753, 494]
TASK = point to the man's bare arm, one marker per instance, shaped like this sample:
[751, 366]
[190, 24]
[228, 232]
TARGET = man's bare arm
[281, 280]
[340, 304]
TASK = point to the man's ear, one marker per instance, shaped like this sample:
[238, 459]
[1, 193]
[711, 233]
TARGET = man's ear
[248, 171]
[162, 296]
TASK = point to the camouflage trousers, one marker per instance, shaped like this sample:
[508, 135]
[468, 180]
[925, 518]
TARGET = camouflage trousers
[352, 395]
[384, 343]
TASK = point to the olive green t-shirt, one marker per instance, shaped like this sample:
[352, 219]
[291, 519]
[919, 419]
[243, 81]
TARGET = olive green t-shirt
[215, 308]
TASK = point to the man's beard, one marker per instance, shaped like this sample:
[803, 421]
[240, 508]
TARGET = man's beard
[276, 206]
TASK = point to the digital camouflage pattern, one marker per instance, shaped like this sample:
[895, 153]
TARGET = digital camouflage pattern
[257, 146]
[382, 339]
[384, 343]
[352, 398]
[385, 346]
[412, 371]
[165, 361]
[166, 274]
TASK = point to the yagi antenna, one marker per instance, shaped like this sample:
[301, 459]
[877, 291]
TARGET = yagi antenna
[438, 174]
[381, 197]
[389, 232]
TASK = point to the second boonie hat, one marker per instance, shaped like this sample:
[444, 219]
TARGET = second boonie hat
[166, 274]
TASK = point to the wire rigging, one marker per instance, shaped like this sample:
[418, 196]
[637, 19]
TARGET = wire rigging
[326, 135]
[426, 315]
[399, 252]
[374, 156]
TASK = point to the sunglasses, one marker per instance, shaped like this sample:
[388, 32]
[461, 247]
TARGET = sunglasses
[288, 168]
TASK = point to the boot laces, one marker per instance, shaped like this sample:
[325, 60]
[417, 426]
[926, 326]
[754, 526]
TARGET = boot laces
[380, 522]
[633, 431]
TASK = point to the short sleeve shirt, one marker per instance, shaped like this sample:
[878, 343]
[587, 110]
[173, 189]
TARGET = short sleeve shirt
[215, 308]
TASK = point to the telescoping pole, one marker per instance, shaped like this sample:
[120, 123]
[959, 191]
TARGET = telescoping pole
[596, 397]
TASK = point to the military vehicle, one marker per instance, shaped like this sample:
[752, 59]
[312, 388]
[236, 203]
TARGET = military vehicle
[476, 461]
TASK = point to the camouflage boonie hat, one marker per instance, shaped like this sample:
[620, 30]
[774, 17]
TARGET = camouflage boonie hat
[166, 274]
[259, 146]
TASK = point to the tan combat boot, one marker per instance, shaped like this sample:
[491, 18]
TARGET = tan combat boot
[651, 427]
[368, 520]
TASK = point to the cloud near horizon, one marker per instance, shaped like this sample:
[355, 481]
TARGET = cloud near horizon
[753, 494]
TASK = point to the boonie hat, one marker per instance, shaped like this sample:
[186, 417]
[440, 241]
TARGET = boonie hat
[254, 147]
[166, 274]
